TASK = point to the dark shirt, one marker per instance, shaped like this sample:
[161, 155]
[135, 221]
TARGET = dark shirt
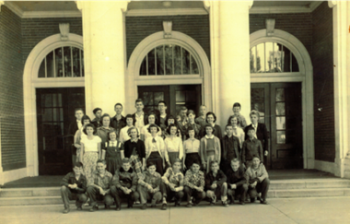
[126, 179]
[252, 148]
[70, 179]
[118, 124]
[220, 178]
[261, 133]
[139, 146]
[96, 122]
[236, 177]
[230, 148]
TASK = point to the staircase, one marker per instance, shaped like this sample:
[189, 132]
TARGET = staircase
[297, 188]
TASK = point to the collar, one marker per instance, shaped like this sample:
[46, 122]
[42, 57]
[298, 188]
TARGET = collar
[134, 140]
[163, 116]
[207, 137]
[129, 171]
[154, 175]
[252, 140]
[136, 115]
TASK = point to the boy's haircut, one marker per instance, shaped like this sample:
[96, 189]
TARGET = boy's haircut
[177, 160]
[228, 125]
[250, 128]
[132, 128]
[153, 126]
[139, 100]
[213, 162]
[77, 109]
[210, 113]
[254, 112]
[149, 164]
[196, 161]
[77, 164]
[105, 115]
[191, 112]
[85, 117]
[126, 160]
[101, 161]
[235, 160]
[162, 102]
[96, 109]
[183, 108]
[89, 125]
[236, 105]
[256, 156]
[118, 104]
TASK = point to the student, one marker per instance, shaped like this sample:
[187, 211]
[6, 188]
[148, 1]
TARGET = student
[151, 121]
[140, 116]
[236, 181]
[155, 149]
[134, 149]
[183, 123]
[210, 148]
[173, 186]
[258, 180]
[251, 147]
[173, 144]
[73, 187]
[72, 129]
[202, 119]
[194, 184]
[79, 134]
[191, 149]
[215, 184]
[236, 108]
[230, 148]
[118, 121]
[171, 120]
[149, 186]
[237, 130]
[192, 124]
[103, 131]
[100, 188]
[90, 151]
[211, 119]
[111, 152]
[124, 184]
[97, 121]
[162, 117]
[130, 122]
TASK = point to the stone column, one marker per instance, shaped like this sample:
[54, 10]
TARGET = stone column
[104, 53]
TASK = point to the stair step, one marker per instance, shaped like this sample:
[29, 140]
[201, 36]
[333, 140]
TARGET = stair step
[309, 184]
[301, 193]
[41, 200]
[30, 192]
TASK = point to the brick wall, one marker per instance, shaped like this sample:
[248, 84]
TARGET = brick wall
[11, 92]
[322, 60]
[195, 26]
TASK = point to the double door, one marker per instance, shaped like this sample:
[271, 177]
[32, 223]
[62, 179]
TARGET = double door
[280, 108]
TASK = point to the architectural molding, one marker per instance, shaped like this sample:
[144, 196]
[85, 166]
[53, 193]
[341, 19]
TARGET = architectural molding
[50, 14]
[1, 3]
[14, 8]
[166, 12]
[331, 4]
[285, 9]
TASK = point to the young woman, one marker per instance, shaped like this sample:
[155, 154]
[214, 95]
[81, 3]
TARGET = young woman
[90, 151]
[191, 149]
[173, 144]
[130, 122]
[237, 130]
[210, 148]
[151, 121]
[111, 152]
[171, 120]
[103, 131]
[155, 149]
[79, 134]
[211, 118]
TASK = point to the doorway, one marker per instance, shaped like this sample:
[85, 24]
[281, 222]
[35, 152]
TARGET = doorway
[55, 111]
[280, 108]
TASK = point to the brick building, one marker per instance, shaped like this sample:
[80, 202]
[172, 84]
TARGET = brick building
[289, 60]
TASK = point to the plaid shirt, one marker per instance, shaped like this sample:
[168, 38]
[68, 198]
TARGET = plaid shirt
[176, 179]
[150, 179]
[105, 181]
[192, 179]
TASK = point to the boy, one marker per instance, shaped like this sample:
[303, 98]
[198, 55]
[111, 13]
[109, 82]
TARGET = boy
[74, 187]
[97, 122]
[215, 184]
[100, 189]
[140, 116]
[124, 184]
[118, 121]
[230, 148]
[236, 108]
[162, 115]
[236, 181]
[73, 128]
[251, 147]
[201, 119]
[194, 184]
[149, 186]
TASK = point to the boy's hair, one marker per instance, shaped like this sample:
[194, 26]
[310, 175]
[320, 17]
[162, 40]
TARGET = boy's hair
[96, 109]
[183, 108]
[236, 105]
[254, 112]
[101, 161]
[162, 102]
[213, 162]
[139, 100]
[250, 128]
[228, 125]
[77, 164]
[191, 112]
[235, 160]
[77, 109]
[118, 104]
[149, 164]
[125, 160]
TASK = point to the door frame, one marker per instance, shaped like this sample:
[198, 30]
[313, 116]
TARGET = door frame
[305, 76]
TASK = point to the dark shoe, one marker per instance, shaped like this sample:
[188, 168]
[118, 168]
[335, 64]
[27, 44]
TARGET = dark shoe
[252, 200]
[130, 205]
[107, 207]
[79, 208]
[258, 198]
[144, 206]
[93, 208]
[224, 203]
[242, 202]
[118, 207]
[164, 206]
[263, 202]
[177, 204]
[189, 204]
[65, 211]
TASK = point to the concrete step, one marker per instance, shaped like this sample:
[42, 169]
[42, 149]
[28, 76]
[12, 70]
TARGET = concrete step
[302, 193]
[30, 192]
[309, 184]
[41, 200]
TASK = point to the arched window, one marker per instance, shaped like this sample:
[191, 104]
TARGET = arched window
[65, 61]
[272, 57]
[169, 59]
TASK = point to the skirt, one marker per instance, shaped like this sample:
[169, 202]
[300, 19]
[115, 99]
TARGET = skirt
[89, 161]
[190, 158]
[172, 157]
[157, 160]
[113, 163]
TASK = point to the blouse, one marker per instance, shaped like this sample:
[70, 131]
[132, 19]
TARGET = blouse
[239, 133]
[79, 134]
[191, 146]
[174, 145]
[91, 145]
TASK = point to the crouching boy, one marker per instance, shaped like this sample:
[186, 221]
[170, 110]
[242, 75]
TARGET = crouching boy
[194, 184]
[215, 184]
[236, 181]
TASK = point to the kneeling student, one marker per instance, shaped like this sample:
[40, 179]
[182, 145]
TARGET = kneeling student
[124, 183]
[74, 187]
[215, 184]
[258, 180]
[194, 184]
[236, 181]
[149, 186]
[100, 189]
[173, 180]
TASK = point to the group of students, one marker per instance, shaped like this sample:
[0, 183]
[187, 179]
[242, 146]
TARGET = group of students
[144, 157]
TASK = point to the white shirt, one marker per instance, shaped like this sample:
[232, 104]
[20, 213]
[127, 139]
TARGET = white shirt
[123, 135]
[139, 120]
[191, 146]
[91, 145]
[239, 133]
[174, 145]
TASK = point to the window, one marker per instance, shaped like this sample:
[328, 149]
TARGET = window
[272, 57]
[63, 62]
[169, 60]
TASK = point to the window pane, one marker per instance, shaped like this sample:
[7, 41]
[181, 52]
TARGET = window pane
[151, 63]
[50, 65]
[260, 57]
[185, 62]
[76, 62]
[160, 60]
[58, 62]
[67, 62]
[253, 60]
[280, 108]
[177, 60]
[180, 96]
[280, 123]
[280, 94]
[194, 66]
[42, 69]
[147, 98]
[143, 67]
[168, 59]
[281, 137]
[191, 96]
[295, 66]
[47, 114]
[158, 96]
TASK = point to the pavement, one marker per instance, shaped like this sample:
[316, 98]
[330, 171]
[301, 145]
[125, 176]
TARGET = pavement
[330, 210]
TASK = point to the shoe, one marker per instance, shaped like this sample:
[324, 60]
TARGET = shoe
[252, 200]
[144, 206]
[177, 204]
[65, 211]
[107, 207]
[242, 202]
[93, 208]
[258, 198]
[224, 203]
[79, 208]
[118, 208]
[164, 206]
[189, 204]
[263, 202]
[130, 205]
[137, 202]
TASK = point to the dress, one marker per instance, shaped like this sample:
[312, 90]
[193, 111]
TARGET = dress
[90, 156]
[113, 156]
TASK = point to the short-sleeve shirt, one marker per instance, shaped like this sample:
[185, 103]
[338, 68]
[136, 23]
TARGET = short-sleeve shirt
[91, 145]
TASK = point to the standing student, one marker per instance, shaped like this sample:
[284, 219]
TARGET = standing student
[236, 181]
[97, 121]
[72, 129]
[194, 184]
[230, 148]
[111, 152]
[251, 147]
[151, 121]
[236, 108]
[130, 122]
[192, 124]
[183, 123]
[118, 121]
[237, 130]
[90, 151]
[79, 134]
[73, 187]
[191, 149]
[211, 119]
[162, 117]
[173, 144]
[171, 120]
[210, 148]
[140, 116]
[103, 131]
[202, 119]
[215, 184]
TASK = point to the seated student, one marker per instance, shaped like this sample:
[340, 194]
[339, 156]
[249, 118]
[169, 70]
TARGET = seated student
[100, 189]
[191, 149]
[251, 147]
[230, 148]
[215, 184]
[111, 152]
[236, 181]
[134, 149]
[258, 180]
[194, 184]
[210, 148]
[173, 144]
[74, 187]
[236, 109]
[97, 121]
[173, 180]
[124, 184]
[149, 186]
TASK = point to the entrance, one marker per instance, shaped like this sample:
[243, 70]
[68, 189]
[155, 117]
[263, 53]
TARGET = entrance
[280, 108]
[175, 96]
[55, 111]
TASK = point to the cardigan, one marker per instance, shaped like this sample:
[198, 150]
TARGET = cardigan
[203, 149]
[160, 146]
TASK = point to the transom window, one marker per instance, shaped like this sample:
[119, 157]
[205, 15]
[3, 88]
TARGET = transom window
[169, 59]
[66, 61]
[272, 57]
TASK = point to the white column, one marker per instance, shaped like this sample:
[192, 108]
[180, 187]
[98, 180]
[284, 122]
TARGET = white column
[104, 53]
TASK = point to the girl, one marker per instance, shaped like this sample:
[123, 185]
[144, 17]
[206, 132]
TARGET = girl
[111, 152]
[151, 121]
[191, 149]
[237, 130]
[173, 144]
[171, 120]
[79, 134]
[102, 131]
[210, 148]
[191, 124]
[211, 118]
[90, 151]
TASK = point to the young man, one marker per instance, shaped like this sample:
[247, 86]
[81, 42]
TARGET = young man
[97, 122]
[124, 185]
[118, 121]
[149, 186]
[215, 184]
[140, 116]
[230, 148]
[183, 122]
[236, 108]
[236, 181]
[258, 180]
[201, 119]
[251, 147]
[100, 189]
[162, 117]
[194, 184]
[74, 187]
[72, 129]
